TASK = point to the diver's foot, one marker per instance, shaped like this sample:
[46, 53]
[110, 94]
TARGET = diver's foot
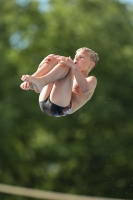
[38, 83]
[25, 86]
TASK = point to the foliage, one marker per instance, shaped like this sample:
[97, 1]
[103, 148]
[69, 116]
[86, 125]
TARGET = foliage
[89, 152]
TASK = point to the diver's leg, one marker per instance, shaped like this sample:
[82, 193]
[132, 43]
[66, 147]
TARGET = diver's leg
[45, 93]
[57, 73]
[62, 90]
[43, 69]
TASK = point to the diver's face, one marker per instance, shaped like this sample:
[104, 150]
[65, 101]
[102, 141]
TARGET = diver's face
[82, 60]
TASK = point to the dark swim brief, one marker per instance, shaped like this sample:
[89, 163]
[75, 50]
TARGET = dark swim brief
[52, 109]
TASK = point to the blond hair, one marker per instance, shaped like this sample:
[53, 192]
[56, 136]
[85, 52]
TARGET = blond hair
[93, 55]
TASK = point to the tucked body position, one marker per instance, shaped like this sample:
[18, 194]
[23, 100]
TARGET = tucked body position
[63, 83]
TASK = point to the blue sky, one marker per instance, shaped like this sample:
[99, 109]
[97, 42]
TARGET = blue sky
[126, 1]
[44, 5]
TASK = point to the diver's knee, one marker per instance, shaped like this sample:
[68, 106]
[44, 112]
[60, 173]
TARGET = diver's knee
[64, 67]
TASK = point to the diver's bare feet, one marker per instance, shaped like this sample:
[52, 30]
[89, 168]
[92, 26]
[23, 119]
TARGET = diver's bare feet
[37, 82]
[28, 86]
[25, 86]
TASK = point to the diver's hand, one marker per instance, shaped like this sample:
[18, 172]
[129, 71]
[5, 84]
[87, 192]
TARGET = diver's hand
[68, 61]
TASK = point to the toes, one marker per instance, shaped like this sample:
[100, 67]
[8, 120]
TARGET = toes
[21, 86]
[24, 77]
[25, 86]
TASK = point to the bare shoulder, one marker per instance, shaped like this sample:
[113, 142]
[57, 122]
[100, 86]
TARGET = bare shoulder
[92, 79]
[79, 98]
[92, 82]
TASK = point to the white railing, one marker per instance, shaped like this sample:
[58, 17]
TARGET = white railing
[34, 193]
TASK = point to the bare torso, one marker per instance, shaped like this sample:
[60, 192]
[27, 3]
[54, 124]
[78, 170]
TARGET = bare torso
[78, 97]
